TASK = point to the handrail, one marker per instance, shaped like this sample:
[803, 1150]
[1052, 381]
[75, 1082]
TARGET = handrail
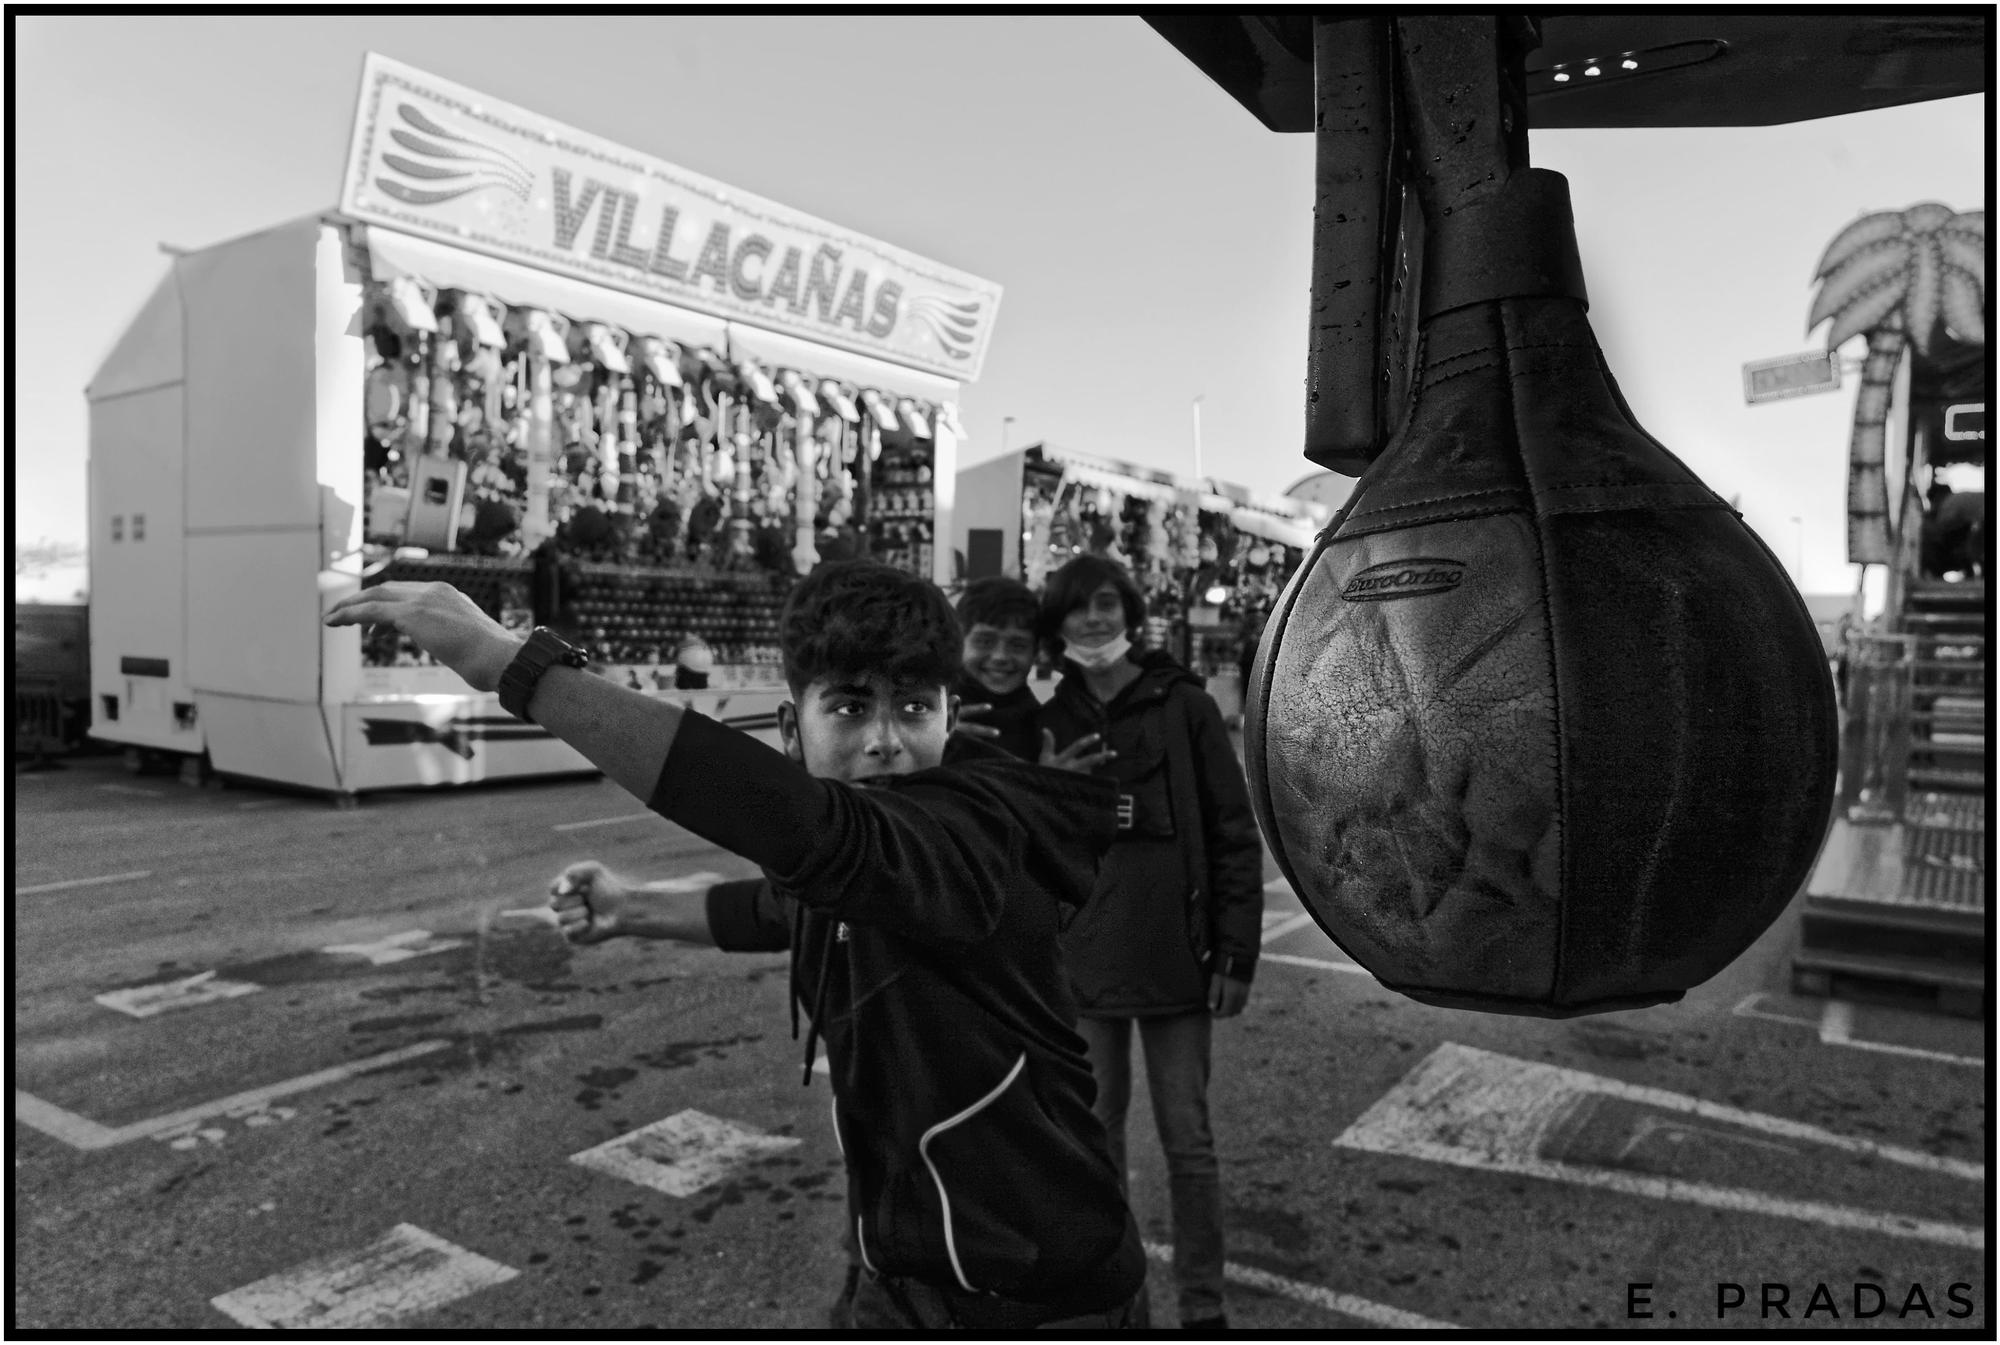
[1875, 730]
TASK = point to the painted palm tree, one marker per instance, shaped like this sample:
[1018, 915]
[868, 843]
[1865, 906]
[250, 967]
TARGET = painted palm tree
[1897, 276]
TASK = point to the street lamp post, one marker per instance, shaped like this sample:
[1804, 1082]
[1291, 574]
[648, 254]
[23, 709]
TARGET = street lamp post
[1197, 437]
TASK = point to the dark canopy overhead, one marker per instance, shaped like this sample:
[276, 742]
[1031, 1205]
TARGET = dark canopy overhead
[1723, 69]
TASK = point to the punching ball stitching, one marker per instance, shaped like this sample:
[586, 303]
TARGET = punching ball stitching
[1544, 572]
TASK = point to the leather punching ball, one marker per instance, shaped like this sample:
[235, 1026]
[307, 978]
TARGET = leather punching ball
[1539, 726]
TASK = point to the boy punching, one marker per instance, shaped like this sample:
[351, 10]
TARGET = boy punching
[920, 898]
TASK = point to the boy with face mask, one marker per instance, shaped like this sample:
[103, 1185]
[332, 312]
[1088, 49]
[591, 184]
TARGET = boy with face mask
[1169, 938]
[921, 907]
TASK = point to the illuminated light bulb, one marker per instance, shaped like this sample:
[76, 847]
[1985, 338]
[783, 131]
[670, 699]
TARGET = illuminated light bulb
[1592, 70]
[1562, 77]
[1629, 64]
[1217, 595]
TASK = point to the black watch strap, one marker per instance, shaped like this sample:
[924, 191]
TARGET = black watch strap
[543, 651]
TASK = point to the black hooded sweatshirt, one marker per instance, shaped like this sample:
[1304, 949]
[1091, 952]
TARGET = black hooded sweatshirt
[922, 913]
[1015, 714]
[1181, 895]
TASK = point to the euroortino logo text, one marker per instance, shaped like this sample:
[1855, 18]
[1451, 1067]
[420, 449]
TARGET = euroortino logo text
[1404, 579]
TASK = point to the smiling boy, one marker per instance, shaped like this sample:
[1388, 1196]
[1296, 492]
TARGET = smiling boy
[921, 907]
[998, 616]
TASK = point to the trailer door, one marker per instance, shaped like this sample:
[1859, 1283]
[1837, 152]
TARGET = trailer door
[138, 629]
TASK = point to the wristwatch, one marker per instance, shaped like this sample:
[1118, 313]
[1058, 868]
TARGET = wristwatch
[543, 651]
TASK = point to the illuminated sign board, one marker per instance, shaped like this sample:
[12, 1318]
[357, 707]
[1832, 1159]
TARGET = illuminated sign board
[436, 159]
[1791, 376]
[1965, 422]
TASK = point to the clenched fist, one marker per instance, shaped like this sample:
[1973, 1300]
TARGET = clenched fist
[588, 899]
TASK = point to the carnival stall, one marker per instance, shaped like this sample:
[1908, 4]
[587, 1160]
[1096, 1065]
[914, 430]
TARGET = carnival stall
[590, 389]
[1211, 557]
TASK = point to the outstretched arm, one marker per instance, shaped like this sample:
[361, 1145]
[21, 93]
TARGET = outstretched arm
[926, 862]
[624, 733]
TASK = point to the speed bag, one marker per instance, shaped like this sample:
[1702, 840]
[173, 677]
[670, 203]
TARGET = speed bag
[1539, 726]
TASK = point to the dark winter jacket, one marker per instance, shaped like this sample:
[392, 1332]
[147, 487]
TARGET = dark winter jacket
[1015, 714]
[922, 913]
[1181, 895]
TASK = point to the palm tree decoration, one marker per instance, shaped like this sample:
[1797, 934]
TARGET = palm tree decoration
[1898, 276]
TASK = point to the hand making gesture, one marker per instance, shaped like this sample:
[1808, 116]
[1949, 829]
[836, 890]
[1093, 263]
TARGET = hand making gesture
[439, 620]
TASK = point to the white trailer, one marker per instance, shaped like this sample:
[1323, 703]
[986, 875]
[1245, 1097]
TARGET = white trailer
[227, 430]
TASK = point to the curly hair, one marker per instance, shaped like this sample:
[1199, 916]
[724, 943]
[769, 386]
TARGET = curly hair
[998, 602]
[862, 618]
[1070, 588]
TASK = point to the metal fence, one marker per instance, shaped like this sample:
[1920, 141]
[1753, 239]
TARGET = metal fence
[44, 723]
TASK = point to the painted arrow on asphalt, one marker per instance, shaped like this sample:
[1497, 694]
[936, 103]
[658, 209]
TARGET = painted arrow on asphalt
[1477, 1109]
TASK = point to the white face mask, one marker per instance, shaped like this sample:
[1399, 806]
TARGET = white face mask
[1098, 657]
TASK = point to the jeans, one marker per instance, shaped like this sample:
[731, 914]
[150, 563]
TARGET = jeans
[1176, 1049]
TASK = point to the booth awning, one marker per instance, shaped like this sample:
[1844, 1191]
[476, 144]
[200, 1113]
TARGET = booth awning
[392, 254]
[1272, 528]
[1125, 485]
[777, 351]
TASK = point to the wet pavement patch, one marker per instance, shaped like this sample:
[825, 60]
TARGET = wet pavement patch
[1284, 1230]
[583, 1022]
[296, 968]
[1617, 1043]
[601, 1082]
[681, 1054]
[530, 957]
[731, 1193]
[394, 994]
[397, 1024]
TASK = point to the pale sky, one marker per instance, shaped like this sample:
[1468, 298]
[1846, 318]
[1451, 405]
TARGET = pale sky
[1151, 236]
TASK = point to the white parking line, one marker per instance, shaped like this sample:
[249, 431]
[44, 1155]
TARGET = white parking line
[78, 1132]
[145, 1001]
[682, 1154]
[397, 947]
[1317, 963]
[82, 1133]
[134, 876]
[404, 1271]
[1380, 1314]
[1836, 1028]
[1476, 1109]
[1747, 1008]
[601, 822]
[1286, 925]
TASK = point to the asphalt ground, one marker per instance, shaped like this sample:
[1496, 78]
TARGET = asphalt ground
[255, 1144]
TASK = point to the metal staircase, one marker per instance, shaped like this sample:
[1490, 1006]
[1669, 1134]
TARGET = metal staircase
[1947, 622]
[1898, 900]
